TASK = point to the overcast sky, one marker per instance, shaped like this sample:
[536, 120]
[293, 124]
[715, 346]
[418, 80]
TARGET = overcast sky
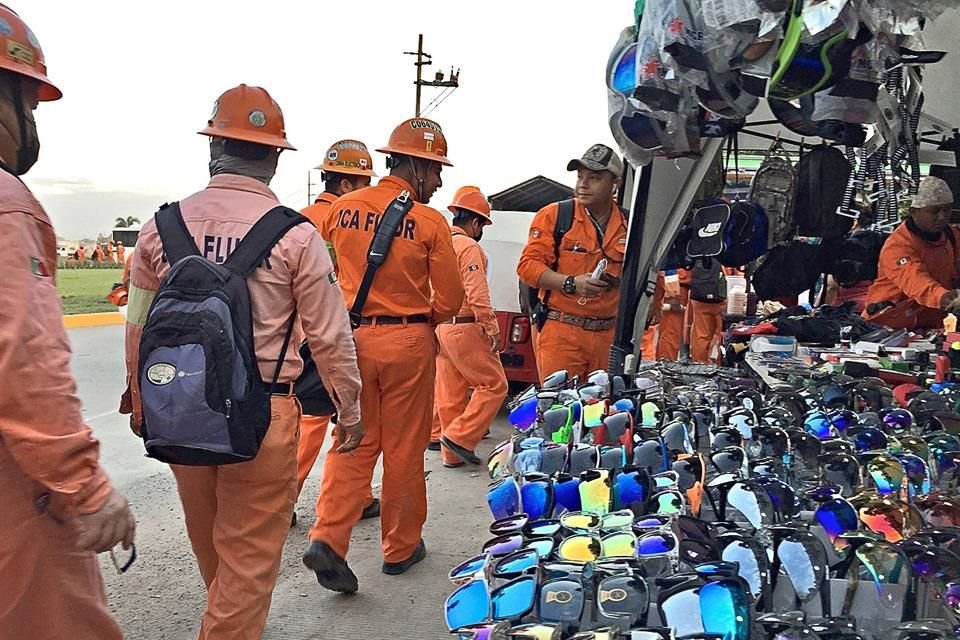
[140, 78]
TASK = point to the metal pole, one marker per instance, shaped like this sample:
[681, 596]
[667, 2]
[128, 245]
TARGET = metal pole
[627, 309]
[309, 196]
[419, 70]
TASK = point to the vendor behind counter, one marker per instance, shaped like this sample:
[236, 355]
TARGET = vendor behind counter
[919, 269]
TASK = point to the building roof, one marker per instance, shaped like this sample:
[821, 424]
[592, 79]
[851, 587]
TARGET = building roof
[532, 195]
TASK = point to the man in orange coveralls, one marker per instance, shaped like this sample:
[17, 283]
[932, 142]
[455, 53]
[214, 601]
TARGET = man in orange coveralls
[919, 270]
[59, 507]
[676, 298]
[347, 166]
[417, 287]
[579, 328]
[469, 342]
[707, 315]
[238, 515]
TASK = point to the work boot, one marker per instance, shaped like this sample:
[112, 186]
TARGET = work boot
[372, 510]
[396, 568]
[453, 465]
[332, 571]
[434, 445]
[461, 452]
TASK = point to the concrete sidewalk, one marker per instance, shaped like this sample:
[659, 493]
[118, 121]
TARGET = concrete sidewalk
[162, 596]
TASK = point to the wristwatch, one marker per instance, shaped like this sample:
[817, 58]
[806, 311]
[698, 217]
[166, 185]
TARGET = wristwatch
[569, 286]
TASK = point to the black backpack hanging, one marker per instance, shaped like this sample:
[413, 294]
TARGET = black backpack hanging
[707, 230]
[858, 257]
[787, 270]
[822, 173]
[707, 282]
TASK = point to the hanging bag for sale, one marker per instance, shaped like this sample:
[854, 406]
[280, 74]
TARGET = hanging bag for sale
[773, 187]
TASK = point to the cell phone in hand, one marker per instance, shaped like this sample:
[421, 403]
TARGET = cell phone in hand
[611, 280]
[601, 267]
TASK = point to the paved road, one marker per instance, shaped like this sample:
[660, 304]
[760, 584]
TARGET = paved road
[162, 596]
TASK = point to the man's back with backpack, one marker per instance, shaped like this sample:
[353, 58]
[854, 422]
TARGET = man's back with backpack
[238, 515]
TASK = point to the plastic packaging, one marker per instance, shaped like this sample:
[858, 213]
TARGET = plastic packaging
[736, 295]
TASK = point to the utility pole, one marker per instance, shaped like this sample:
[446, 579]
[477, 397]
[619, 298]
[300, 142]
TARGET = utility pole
[425, 59]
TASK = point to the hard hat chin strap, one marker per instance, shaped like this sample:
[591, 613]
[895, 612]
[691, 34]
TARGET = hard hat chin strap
[416, 176]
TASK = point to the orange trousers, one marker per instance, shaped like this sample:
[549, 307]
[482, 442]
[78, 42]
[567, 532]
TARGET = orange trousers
[648, 344]
[50, 589]
[313, 430]
[565, 346]
[398, 368]
[707, 327]
[238, 516]
[671, 329]
[466, 362]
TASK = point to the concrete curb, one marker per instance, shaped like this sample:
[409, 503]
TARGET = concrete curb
[83, 320]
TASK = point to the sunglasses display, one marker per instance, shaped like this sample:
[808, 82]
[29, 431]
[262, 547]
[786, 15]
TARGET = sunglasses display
[707, 506]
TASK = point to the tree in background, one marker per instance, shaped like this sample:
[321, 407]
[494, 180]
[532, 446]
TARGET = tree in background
[129, 221]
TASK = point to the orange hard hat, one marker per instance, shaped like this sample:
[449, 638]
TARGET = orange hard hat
[472, 200]
[420, 138]
[20, 53]
[248, 114]
[350, 157]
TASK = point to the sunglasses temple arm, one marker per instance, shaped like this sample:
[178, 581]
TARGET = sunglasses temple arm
[826, 597]
[713, 505]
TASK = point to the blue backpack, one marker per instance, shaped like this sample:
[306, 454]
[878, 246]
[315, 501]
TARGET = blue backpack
[745, 234]
[204, 401]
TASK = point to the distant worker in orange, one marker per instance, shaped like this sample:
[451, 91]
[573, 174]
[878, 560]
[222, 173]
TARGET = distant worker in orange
[81, 255]
[648, 344]
[919, 272]
[676, 298]
[417, 287]
[469, 342]
[347, 166]
[111, 252]
[578, 331]
[708, 302]
[59, 506]
[238, 515]
[121, 252]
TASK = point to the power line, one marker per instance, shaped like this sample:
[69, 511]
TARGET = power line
[427, 109]
[450, 93]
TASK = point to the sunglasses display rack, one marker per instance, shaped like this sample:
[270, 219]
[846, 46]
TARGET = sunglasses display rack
[684, 503]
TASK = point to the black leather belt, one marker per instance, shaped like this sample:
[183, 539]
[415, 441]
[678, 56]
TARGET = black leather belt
[461, 320]
[281, 389]
[414, 319]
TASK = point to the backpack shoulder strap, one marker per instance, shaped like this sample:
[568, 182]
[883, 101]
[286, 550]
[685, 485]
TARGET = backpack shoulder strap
[174, 235]
[564, 224]
[262, 237]
[383, 236]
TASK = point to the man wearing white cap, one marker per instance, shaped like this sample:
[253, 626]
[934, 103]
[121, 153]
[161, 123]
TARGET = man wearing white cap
[919, 271]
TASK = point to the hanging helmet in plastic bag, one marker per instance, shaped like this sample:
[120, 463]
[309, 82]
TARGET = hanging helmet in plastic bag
[725, 97]
[815, 52]
[714, 126]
